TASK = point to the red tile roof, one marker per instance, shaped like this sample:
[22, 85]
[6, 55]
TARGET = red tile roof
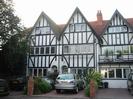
[130, 21]
[98, 28]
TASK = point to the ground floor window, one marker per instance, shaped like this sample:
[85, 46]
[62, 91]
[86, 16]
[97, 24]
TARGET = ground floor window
[111, 73]
[37, 72]
[54, 68]
[80, 71]
[115, 73]
[118, 73]
[64, 69]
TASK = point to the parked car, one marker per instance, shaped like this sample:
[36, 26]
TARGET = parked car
[130, 83]
[4, 88]
[18, 83]
[68, 82]
[50, 81]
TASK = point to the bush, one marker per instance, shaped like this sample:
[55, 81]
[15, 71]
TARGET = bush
[41, 86]
[93, 75]
[87, 91]
[44, 86]
[36, 83]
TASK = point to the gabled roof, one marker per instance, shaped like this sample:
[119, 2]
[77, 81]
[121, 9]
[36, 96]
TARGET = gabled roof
[78, 10]
[105, 26]
[98, 27]
[52, 24]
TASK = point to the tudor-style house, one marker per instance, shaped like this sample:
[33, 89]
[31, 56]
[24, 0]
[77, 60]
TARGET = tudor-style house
[116, 51]
[71, 49]
[104, 45]
[78, 41]
[43, 46]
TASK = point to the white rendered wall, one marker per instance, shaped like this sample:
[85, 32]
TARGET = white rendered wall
[116, 83]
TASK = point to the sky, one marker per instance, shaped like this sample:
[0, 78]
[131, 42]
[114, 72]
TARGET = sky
[61, 10]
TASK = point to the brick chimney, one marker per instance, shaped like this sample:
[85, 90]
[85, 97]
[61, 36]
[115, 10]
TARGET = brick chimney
[99, 17]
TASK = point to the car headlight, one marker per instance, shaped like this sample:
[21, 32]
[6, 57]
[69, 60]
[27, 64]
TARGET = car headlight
[72, 82]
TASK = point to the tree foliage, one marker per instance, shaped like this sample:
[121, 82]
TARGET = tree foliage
[9, 22]
[14, 54]
[12, 40]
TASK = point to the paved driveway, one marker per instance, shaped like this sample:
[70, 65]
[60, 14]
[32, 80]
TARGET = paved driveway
[101, 94]
[67, 94]
[113, 93]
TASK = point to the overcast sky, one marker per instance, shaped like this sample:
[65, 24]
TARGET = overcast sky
[61, 10]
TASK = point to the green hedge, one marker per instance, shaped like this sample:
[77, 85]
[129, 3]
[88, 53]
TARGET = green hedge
[41, 86]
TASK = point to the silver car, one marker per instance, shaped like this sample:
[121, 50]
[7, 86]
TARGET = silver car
[68, 82]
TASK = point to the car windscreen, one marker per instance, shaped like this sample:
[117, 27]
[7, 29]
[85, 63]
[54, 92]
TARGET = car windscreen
[65, 77]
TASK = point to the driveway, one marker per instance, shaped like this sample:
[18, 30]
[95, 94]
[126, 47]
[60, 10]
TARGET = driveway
[101, 94]
[67, 94]
[113, 93]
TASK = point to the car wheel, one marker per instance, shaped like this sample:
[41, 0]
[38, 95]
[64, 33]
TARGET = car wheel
[76, 89]
[57, 90]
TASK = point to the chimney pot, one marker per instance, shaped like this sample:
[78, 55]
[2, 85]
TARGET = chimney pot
[99, 17]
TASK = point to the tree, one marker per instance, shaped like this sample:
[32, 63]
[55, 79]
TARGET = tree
[12, 40]
[9, 22]
[14, 54]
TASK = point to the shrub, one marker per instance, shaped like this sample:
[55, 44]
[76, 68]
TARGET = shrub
[93, 75]
[44, 86]
[87, 91]
[36, 84]
[41, 86]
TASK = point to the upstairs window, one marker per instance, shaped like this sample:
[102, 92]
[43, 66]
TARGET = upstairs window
[32, 51]
[47, 50]
[37, 30]
[42, 50]
[80, 27]
[37, 51]
[47, 30]
[52, 50]
[65, 49]
[117, 29]
[71, 26]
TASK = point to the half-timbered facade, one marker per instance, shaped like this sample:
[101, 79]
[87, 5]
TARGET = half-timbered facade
[116, 58]
[78, 41]
[43, 46]
[105, 45]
